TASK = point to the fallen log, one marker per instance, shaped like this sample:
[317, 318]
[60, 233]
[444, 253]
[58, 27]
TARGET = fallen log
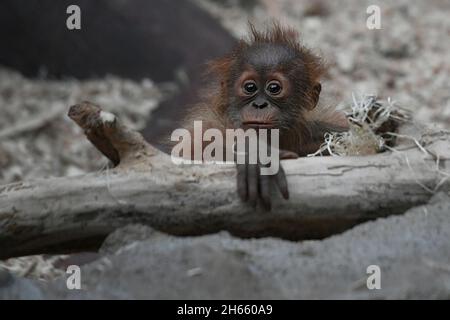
[328, 194]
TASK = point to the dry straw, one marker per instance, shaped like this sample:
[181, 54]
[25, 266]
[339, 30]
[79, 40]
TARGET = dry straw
[366, 114]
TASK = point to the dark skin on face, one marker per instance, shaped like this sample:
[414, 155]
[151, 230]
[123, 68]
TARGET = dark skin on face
[263, 97]
[269, 82]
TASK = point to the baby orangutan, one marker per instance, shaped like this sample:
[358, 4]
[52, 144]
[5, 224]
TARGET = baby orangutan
[269, 82]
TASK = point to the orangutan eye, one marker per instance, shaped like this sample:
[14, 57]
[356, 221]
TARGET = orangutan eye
[274, 87]
[250, 87]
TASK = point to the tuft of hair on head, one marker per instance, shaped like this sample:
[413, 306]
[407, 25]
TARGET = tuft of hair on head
[275, 34]
[287, 36]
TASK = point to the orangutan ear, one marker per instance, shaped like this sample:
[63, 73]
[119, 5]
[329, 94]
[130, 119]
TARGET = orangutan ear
[315, 95]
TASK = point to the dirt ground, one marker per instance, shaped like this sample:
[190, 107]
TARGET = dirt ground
[38, 140]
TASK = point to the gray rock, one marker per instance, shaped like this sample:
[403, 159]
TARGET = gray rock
[174, 268]
[126, 236]
[12, 288]
[412, 252]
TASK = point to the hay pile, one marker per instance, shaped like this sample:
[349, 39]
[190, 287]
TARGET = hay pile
[373, 125]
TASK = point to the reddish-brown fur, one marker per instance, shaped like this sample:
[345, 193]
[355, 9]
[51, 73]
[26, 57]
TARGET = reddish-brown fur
[311, 121]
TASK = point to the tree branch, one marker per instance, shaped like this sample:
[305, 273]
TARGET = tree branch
[328, 194]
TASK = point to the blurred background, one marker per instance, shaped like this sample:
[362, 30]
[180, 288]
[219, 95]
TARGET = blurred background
[143, 60]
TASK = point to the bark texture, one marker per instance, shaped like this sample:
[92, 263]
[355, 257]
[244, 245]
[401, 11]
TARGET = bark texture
[327, 194]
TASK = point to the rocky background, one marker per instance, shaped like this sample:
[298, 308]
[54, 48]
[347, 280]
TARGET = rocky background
[406, 60]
